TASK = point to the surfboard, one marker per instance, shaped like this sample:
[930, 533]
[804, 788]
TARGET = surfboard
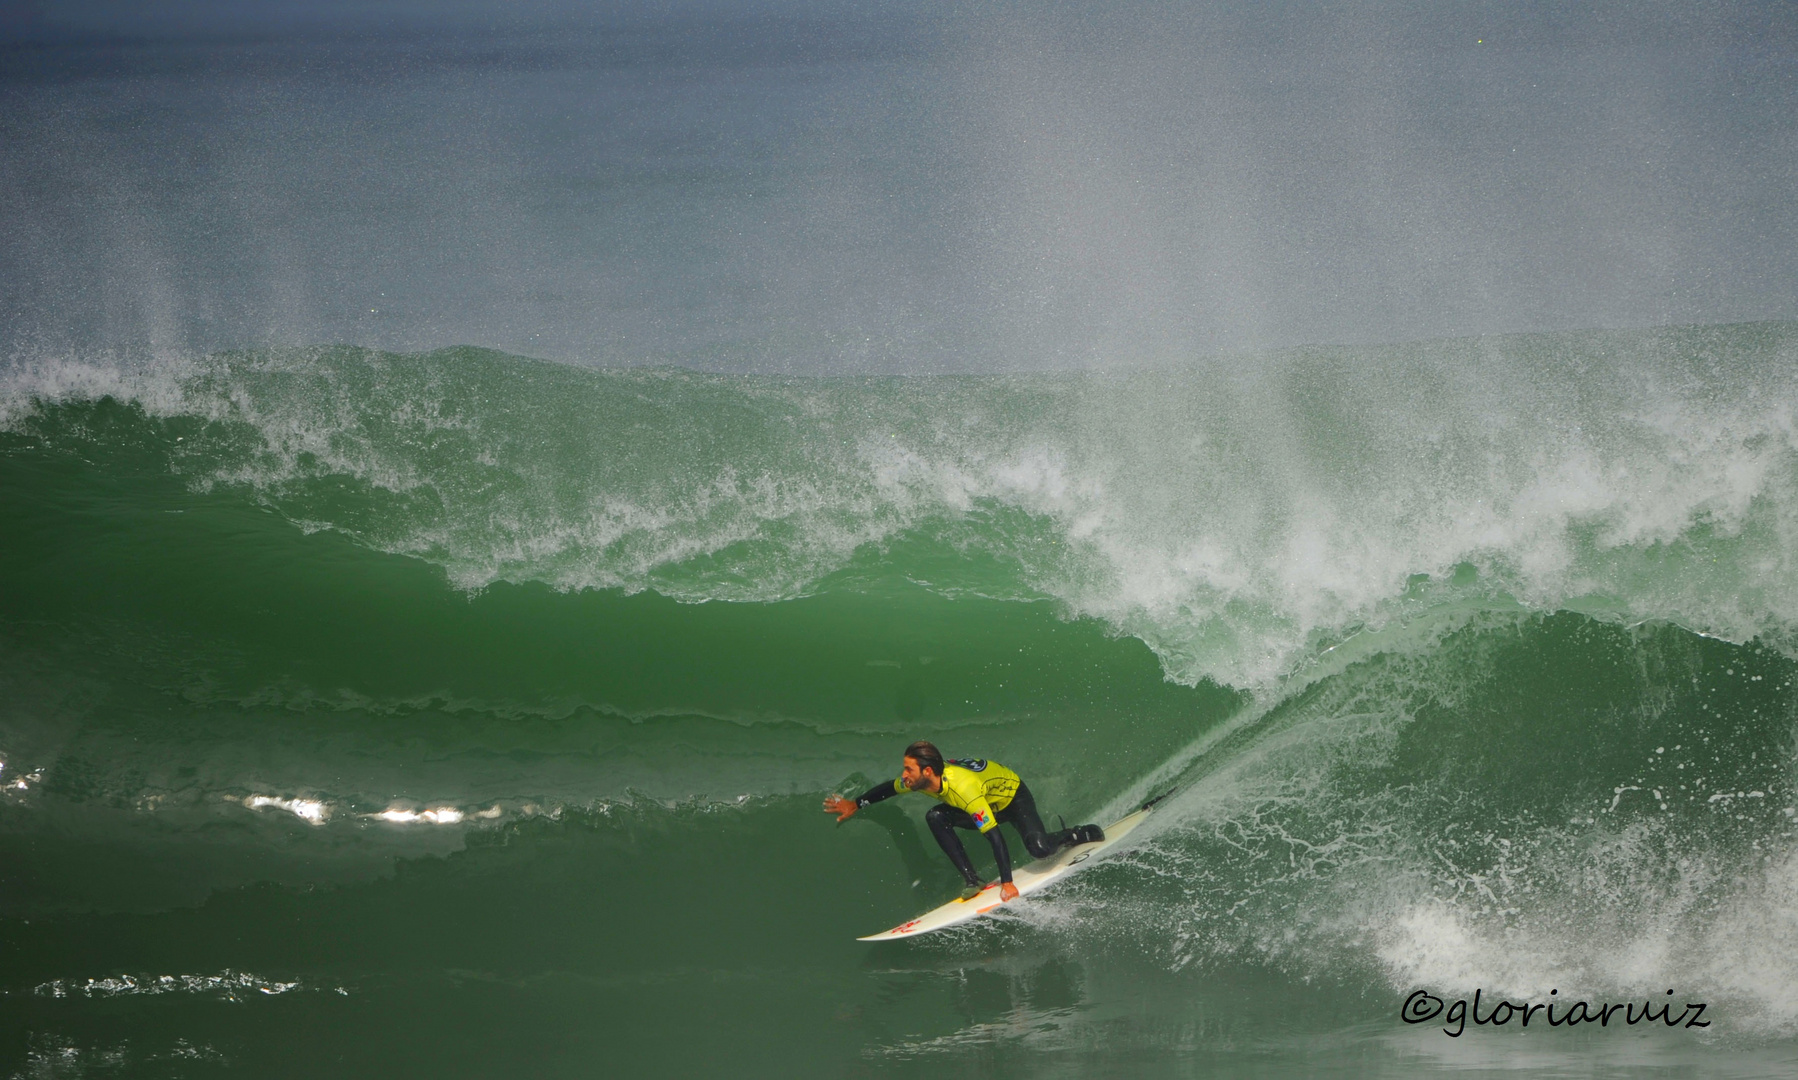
[1038, 875]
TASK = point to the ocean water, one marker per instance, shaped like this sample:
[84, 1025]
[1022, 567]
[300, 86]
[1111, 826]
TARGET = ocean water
[474, 477]
[459, 713]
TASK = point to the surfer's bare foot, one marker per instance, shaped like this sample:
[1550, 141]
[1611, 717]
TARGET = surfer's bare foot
[1008, 891]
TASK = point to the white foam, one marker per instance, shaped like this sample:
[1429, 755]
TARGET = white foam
[311, 811]
[1431, 944]
[227, 984]
[1745, 952]
[436, 815]
[1751, 947]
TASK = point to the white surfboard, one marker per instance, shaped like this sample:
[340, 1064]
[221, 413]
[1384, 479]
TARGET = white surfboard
[1039, 874]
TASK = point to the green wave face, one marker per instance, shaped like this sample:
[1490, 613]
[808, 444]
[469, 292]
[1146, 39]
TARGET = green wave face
[500, 695]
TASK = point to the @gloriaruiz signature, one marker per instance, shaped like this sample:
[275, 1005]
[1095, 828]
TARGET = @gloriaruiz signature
[1421, 1007]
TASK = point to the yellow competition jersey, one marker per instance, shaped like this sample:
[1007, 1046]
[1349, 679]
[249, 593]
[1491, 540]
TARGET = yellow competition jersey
[980, 788]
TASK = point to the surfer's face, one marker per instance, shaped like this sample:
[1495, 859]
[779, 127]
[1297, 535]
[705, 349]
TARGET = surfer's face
[916, 778]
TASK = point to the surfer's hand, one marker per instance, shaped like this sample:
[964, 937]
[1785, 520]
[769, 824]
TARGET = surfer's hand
[843, 808]
[1007, 891]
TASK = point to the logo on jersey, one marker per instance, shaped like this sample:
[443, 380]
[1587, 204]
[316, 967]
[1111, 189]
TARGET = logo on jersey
[972, 764]
[980, 819]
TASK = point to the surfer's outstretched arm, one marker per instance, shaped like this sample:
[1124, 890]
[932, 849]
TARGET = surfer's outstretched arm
[845, 809]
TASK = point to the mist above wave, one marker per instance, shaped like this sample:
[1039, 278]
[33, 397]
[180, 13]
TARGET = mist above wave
[1236, 514]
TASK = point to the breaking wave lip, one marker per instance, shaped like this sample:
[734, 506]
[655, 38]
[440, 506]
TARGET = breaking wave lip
[1239, 518]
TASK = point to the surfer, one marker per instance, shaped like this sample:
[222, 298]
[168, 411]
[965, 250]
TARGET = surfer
[975, 794]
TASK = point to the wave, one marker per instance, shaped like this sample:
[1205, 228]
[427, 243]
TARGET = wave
[1238, 516]
[1472, 662]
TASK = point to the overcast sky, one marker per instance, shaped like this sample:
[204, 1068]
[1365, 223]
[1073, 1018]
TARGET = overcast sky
[905, 186]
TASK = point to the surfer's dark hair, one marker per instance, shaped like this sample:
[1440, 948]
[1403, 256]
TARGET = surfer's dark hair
[926, 755]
